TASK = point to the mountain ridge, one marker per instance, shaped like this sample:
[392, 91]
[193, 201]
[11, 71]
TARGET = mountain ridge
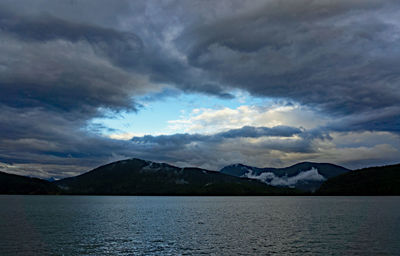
[306, 176]
[143, 177]
[140, 177]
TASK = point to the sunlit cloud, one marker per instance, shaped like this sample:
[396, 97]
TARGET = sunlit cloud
[205, 120]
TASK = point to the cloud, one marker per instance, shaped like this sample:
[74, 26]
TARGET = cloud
[244, 132]
[271, 179]
[338, 56]
[383, 119]
[121, 47]
[65, 75]
[358, 149]
[220, 119]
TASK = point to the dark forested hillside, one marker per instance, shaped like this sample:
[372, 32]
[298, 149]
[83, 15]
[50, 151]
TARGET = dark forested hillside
[383, 180]
[16, 184]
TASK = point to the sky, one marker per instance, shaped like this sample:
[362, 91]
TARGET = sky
[198, 83]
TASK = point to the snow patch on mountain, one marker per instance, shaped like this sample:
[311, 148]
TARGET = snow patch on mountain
[285, 181]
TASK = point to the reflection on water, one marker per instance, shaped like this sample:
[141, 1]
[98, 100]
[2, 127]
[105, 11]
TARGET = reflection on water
[91, 225]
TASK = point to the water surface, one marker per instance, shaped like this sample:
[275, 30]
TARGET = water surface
[101, 225]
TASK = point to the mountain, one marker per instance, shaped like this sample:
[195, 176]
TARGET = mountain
[140, 177]
[305, 176]
[16, 184]
[383, 180]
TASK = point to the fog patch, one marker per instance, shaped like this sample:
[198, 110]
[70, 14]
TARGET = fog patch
[271, 179]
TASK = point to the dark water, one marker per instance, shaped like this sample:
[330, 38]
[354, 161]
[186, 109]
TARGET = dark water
[81, 225]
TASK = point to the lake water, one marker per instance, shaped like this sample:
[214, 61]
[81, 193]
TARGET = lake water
[101, 225]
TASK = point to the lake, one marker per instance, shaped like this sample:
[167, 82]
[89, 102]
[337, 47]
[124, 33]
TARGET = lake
[126, 225]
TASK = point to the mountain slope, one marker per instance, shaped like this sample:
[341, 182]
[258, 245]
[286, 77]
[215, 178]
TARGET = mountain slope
[383, 180]
[306, 176]
[16, 184]
[139, 177]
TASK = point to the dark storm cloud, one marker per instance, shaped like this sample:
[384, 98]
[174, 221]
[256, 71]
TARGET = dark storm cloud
[386, 119]
[245, 132]
[124, 49]
[115, 44]
[32, 135]
[255, 132]
[51, 62]
[341, 57]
